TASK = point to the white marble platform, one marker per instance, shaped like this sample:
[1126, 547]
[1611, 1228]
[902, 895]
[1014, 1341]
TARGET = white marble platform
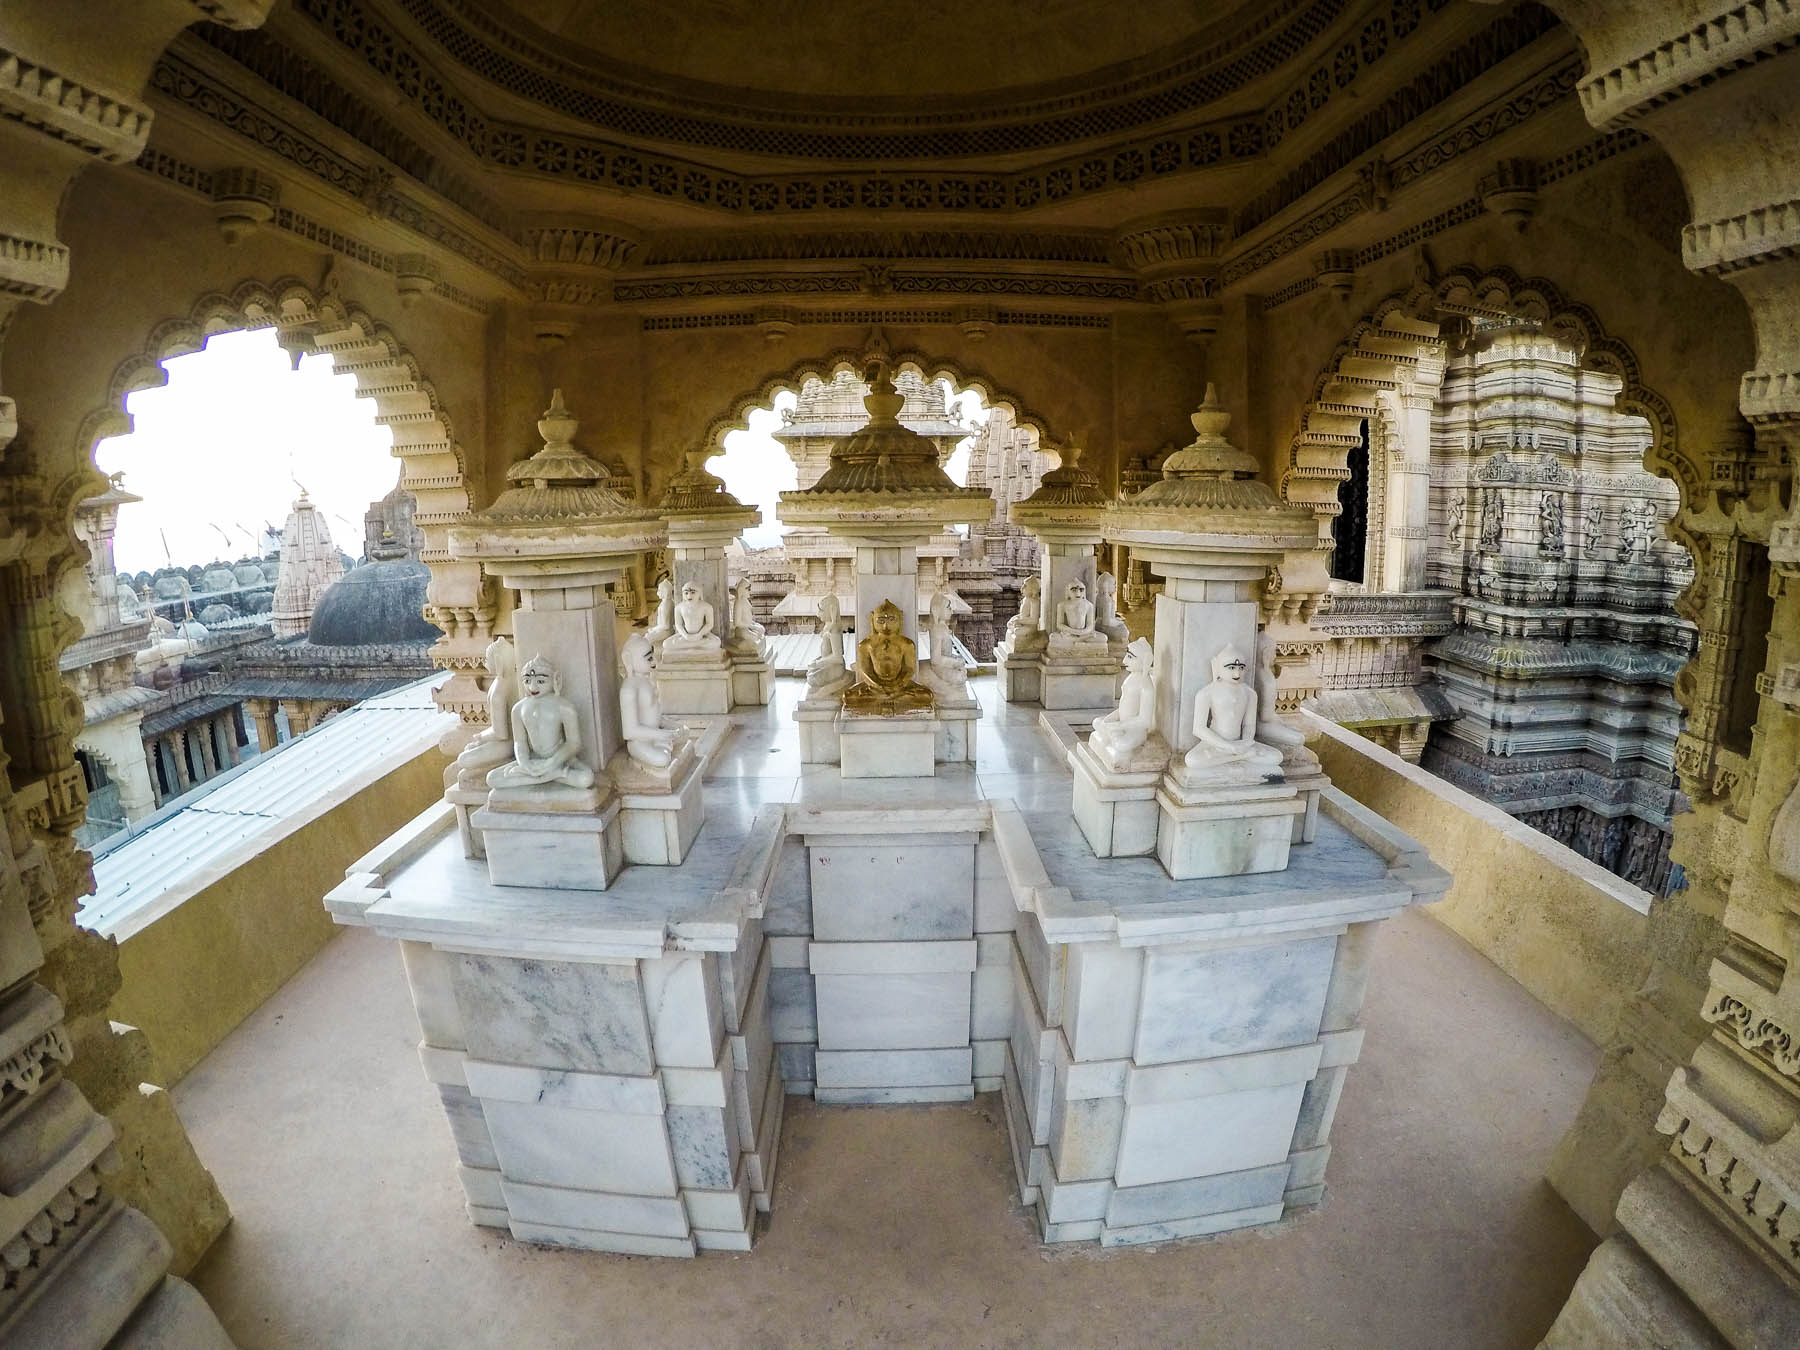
[1170, 1054]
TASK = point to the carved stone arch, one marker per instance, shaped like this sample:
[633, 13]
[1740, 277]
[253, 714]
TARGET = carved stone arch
[825, 366]
[1411, 324]
[435, 469]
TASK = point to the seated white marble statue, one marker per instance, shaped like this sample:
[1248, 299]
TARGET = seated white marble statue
[1106, 608]
[695, 621]
[944, 674]
[1075, 630]
[1119, 738]
[1226, 750]
[664, 623]
[828, 674]
[746, 632]
[649, 740]
[1024, 630]
[546, 735]
[1271, 727]
[492, 747]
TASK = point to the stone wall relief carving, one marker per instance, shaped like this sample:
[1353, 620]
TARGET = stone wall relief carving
[1550, 525]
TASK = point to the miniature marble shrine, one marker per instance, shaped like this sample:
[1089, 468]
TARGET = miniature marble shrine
[1111, 885]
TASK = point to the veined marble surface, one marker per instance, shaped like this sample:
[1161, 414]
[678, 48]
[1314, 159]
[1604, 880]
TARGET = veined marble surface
[432, 891]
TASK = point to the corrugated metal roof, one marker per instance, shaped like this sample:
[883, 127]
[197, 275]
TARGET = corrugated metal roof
[150, 870]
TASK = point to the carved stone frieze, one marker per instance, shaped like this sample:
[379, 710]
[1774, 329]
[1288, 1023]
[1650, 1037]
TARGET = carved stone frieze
[107, 126]
[1739, 36]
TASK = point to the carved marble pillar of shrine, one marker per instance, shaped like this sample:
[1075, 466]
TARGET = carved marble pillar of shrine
[1707, 1246]
[1408, 498]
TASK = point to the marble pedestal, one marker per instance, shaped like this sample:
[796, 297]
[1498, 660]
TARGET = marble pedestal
[1020, 674]
[751, 680]
[1117, 810]
[1078, 677]
[659, 813]
[695, 686]
[816, 721]
[955, 719]
[1225, 831]
[904, 746]
[565, 850]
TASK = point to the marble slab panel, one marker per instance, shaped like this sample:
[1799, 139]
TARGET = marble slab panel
[792, 1013]
[1224, 1132]
[1080, 686]
[787, 906]
[992, 1002]
[584, 1150]
[896, 749]
[1043, 962]
[893, 1068]
[995, 911]
[1118, 824]
[468, 1127]
[656, 830]
[1133, 1206]
[1318, 1108]
[893, 1096]
[558, 1014]
[563, 1087]
[694, 689]
[654, 1216]
[896, 891]
[891, 958]
[1073, 1201]
[481, 1185]
[1212, 841]
[797, 1067]
[1176, 1229]
[594, 1240]
[1198, 1002]
[1102, 988]
[894, 1012]
[526, 849]
[989, 1060]
[705, 1144]
[431, 975]
[687, 1020]
[1028, 1160]
[720, 1210]
[1031, 1058]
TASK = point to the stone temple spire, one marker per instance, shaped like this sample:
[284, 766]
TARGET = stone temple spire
[309, 563]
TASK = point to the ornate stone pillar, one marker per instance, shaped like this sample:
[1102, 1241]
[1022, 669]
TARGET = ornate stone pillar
[177, 743]
[1707, 1247]
[262, 713]
[1408, 513]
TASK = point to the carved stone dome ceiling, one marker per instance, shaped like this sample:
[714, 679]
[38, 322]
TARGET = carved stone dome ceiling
[814, 79]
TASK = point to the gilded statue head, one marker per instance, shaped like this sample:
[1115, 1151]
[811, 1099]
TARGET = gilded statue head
[886, 618]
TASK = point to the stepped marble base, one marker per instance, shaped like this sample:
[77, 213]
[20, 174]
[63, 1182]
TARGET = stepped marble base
[955, 718]
[904, 746]
[1079, 679]
[1117, 811]
[751, 682]
[659, 814]
[1020, 675]
[695, 687]
[558, 850]
[1226, 831]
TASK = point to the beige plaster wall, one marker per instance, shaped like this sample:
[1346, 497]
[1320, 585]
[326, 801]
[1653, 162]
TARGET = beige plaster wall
[1569, 931]
[199, 970]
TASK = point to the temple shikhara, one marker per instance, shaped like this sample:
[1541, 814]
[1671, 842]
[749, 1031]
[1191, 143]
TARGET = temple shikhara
[1246, 718]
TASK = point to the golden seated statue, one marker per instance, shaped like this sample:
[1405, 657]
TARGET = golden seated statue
[886, 662]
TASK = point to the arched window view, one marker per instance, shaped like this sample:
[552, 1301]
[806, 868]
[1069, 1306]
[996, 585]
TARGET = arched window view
[708, 674]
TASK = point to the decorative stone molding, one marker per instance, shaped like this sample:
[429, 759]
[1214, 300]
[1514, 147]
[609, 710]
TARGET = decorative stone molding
[1720, 247]
[32, 269]
[243, 199]
[415, 276]
[1335, 269]
[109, 128]
[1727, 40]
[1511, 191]
[580, 245]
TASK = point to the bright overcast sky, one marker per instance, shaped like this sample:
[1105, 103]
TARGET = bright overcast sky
[218, 455]
[219, 452]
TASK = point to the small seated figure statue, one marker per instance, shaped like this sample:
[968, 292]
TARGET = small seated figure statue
[1227, 750]
[648, 739]
[695, 621]
[664, 623]
[886, 662]
[1271, 727]
[1023, 630]
[1075, 620]
[945, 674]
[746, 632]
[491, 748]
[546, 735]
[1119, 737]
[1106, 608]
[828, 674]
